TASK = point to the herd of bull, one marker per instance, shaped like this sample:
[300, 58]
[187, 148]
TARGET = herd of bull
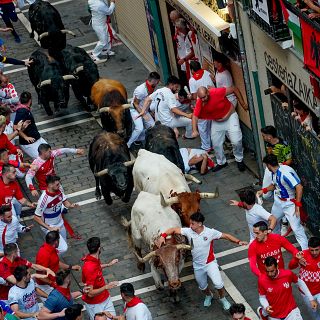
[165, 199]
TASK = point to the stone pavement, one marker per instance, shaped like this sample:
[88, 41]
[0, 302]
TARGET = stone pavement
[76, 128]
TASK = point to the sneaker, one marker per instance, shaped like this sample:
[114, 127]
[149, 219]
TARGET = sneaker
[225, 304]
[241, 166]
[97, 59]
[109, 52]
[260, 314]
[218, 167]
[207, 301]
[284, 228]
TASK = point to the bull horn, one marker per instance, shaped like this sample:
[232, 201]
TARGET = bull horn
[101, 173]
[104, 109]
[210, 195]
[169, 201]
[42, 35]
[129, 163]
[45, 83]
[68, 77]
[183, 246]
[192, 178]
[68, 31]
[145, 258]
[80, 68]
[126, 106]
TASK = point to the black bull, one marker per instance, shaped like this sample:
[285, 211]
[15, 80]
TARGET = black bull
[161, 139]
[109, 160]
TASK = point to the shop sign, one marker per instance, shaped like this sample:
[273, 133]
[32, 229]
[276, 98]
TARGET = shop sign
[206, 34]
[260, 7]
[292, 80]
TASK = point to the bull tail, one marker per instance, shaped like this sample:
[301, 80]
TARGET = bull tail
[127, 225]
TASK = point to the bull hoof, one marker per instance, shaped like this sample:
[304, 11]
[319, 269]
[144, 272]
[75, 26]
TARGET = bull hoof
[108, 201]
[141, 266]
[175, 299]
[159, 287]
[98, 195]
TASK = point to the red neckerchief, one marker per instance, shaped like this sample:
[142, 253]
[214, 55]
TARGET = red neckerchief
[22, 106]
[65, 292]
[303, 116]
[132, 303]
[150, 89]
[198, 74]
[221, 70]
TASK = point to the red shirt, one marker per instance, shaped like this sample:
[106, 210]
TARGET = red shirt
[5, 1]
[92, 276]
[217, 106]
[47, 168]
[278, 292]
[310, 273]
[259, 251]
[4, 141]
[6, 270]
[47, 256]
[8, 191]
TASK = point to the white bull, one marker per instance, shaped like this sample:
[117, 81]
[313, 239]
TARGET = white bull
[148, 220]
[155, 174]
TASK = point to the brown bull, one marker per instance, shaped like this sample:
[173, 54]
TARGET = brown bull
[110, 98]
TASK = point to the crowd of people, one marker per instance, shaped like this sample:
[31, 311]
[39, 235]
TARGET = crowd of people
[202, 104]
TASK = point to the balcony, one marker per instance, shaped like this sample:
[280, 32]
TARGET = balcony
[268, 16]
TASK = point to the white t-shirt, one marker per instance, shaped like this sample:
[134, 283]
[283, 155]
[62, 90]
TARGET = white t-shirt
[138, 312]
[224, 80]
[49, 208]
[164, 100]
[26, 298]
[141, 92]
[99, 11]
[11, 232]
[285, 180]
[255, 214]
[202, 251]
[184, 47]
[205, 81]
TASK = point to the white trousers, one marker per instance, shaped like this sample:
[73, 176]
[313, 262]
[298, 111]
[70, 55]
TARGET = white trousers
[211, 270]
[179, 122]
[63, 245]
[287, 209]
[315, 314]
[103, 36]
[140, 125]
[267, 180]
[106, 305]
[32, 149]
[293, 315]
[204, 127]
[231, 128]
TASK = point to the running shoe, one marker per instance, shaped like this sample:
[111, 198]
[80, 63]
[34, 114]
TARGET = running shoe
[207, 301]
[225, 303]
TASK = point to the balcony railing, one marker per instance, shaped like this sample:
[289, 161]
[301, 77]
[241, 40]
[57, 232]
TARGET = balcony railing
[270, 19]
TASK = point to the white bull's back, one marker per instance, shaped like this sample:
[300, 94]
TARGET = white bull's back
[154, 173]
[149, 219]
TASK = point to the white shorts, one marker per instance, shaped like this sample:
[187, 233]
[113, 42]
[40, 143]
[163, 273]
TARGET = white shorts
[106, 305]
[212, 271]
[293, 315]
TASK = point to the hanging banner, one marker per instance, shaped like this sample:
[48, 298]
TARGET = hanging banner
[311, 47]
[260, 7]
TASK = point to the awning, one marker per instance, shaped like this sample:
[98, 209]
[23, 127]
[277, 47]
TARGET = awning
[202, 18]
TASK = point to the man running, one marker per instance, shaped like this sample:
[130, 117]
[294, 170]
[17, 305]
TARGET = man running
[267, 245]
[204, 263]
[275, 293]
[48, 213]
[309, 272]
[287, 197]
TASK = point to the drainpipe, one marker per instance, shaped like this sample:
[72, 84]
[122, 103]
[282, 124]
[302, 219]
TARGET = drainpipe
[246, 76]
[163, 55]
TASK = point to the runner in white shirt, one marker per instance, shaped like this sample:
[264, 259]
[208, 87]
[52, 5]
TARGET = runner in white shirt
[166, 110]
[139, 95]
[23, 296]
[134, 308]
[204, 262]
[48, 213]
[254, 212]
[201, 78]
[9, 227]
[287, 197]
